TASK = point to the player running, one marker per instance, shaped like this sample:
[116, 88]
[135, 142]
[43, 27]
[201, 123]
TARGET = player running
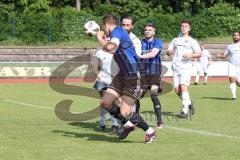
[184, 48]
[202, 64]
[233, 52]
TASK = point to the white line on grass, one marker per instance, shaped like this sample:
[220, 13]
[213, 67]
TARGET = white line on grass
[33, 105]
[202, 132]
[169, 127]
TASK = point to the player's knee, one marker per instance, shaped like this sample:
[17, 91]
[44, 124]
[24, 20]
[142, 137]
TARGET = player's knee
[154, 90]
[177, 91]
[105, 104]
[124, 113]
[232, 85]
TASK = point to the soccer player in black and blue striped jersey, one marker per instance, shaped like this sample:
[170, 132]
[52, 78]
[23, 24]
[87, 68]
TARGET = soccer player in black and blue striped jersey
[152, 67]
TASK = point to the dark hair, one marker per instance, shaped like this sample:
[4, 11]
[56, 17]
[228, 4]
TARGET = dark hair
[235, 32]
[186, 21]
[150, 24]
[110, 19]
[128, 17]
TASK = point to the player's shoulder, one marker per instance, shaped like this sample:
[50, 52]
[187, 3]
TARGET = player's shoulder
[231, 45]
[176, 40]
[133, 37]
[144, 41]
[118, 29]
[191, 39]
[159, 40]
[100, 53]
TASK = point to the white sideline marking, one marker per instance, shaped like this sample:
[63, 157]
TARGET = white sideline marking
[169, 127]
[202, 132]
[33, 105]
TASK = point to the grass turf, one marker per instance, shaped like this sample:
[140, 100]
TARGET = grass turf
[31, 130]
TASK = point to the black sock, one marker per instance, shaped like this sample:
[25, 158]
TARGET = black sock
[157, 107]
[137, 120]
[114, 110]
[137, 106]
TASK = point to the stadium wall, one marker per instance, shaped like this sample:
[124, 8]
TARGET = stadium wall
[41, 62]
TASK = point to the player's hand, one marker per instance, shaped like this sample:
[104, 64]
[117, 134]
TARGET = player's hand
[100, 35]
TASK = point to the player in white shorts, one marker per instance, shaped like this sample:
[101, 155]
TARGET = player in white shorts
[104, 67]
[202, 64]
[233, 52]
[184, 48]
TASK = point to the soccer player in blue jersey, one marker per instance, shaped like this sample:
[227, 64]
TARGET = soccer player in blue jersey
[152, 67]
[126, 84]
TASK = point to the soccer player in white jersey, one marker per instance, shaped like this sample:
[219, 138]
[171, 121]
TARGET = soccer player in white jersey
[128, 24]
[184, 48]
[203, 64]
[233, 52]
[105, 68]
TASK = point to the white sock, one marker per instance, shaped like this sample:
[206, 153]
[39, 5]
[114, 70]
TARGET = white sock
[206, 78]
[197, 78]
[186, 101]
[150, 130]
[233, 89]
[128, 123]
[133, 108]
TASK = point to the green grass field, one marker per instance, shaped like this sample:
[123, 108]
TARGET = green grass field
[31, 130]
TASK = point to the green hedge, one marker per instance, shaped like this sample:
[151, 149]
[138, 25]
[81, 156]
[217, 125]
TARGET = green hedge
[63, 25]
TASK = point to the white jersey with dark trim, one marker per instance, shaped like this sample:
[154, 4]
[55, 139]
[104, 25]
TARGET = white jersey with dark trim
[233, 51]
[107, 66]
[136, 43]
[181, 46]
[204, 59]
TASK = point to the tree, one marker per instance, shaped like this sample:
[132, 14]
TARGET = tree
[78, 5]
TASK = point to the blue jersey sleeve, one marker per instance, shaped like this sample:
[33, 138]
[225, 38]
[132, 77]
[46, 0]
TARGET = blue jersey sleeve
[158, 44]
[116, 34]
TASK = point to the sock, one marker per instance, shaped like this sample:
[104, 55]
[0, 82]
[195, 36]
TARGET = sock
[197, 78]
[206, 78]
[103, 116]
[137, 120]
[157, 107]
[150, 130]
[186, 101]
[114, 111]
[233, 89]
[137, 106]
[128, 123]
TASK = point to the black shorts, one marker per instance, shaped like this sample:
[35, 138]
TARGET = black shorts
[151, 80]
[126, 86]
[148, 81]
